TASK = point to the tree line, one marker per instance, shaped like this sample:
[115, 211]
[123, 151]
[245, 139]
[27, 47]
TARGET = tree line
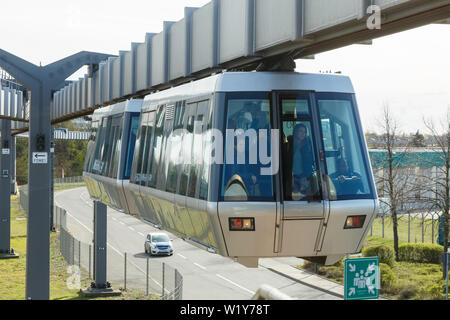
[69, 155]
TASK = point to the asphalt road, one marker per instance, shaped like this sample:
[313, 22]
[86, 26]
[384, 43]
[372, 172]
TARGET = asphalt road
[206, 276]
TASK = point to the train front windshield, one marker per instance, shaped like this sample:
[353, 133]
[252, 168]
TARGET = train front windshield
[308, 131]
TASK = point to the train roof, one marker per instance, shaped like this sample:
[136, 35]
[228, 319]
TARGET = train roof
[254, 82]
[277, 81]
[133, 105]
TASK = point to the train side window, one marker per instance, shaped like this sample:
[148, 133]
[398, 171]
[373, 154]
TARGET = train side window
[186, 149]
[156, 148]
[248, 115]
[95, 156]
[116, 147]
[109, 152]
[147, 147]
[166, 146]
[196, 155]
[109, 145]
[176, 144]
[136, 176]
[112, 145]
[90, 153]
[134, 122]
[204, 173]
[106, 148]
[97, 165]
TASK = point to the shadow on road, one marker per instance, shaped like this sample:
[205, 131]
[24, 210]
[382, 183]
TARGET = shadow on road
[143, 255]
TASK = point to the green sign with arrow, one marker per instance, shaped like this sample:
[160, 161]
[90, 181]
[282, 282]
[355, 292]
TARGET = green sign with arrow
[361, 279]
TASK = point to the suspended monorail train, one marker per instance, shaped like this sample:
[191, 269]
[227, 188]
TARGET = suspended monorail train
[248, 164]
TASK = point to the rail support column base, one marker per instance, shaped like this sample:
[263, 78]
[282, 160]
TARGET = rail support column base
[104, 291]
[10, 254]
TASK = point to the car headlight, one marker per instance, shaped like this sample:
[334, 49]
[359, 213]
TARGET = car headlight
[153, 245]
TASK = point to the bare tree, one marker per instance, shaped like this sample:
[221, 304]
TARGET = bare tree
[395, 182]
[438, 184]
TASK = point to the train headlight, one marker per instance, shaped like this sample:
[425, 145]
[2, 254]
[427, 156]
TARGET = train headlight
[354, 222]
[242, 224]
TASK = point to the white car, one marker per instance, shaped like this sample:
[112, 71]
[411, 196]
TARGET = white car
[158, 244]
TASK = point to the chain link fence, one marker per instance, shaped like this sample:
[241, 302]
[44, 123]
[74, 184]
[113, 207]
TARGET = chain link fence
[59, 182]
[419, 227]
[78, 179]
[138, 272]
[134, 271]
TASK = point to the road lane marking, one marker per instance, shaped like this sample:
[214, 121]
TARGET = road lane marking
[200, 266]
[140, 233]
[121, 223]
[181, 256]
[89, 203]
[118, 252]
[131, 228]
[234, 283]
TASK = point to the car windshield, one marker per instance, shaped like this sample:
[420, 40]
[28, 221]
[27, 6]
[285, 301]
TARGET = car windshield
[160, 238]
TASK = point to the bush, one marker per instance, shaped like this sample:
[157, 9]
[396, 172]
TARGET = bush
[435, 291]
[420, 252]
[332, 272]
[387, 276]
[385, 253]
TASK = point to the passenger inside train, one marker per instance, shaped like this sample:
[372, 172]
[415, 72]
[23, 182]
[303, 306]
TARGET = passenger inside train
[302, 160]
[299, 160]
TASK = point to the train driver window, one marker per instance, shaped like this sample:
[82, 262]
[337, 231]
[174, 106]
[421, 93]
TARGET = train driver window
[346, 166]
[248, 116]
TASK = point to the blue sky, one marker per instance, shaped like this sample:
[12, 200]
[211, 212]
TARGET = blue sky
[410, 71]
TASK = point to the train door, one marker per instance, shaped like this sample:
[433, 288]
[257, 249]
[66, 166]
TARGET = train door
[302, 206]
[349, 181]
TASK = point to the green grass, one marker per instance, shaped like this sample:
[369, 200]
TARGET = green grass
[13, 271]
[66, 186]
[414, 281]
[415, 226]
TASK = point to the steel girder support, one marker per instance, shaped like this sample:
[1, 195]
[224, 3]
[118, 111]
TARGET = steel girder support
[42, 82]
[5, 188]
[100, 244]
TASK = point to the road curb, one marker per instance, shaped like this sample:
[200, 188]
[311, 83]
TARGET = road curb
[306, 283]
